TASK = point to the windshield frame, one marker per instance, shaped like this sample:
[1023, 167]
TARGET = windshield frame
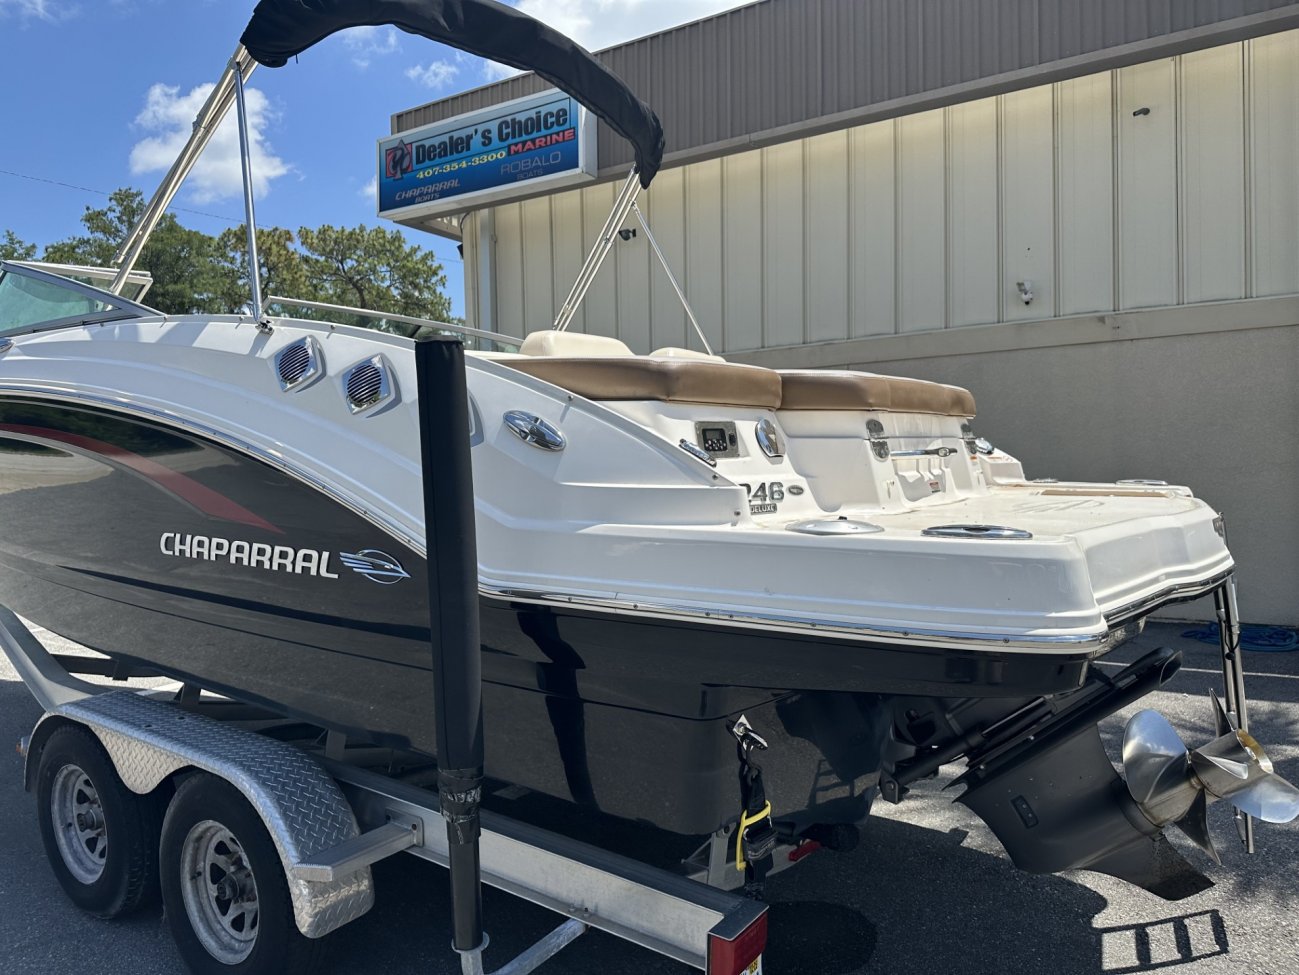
[121, 308]
[142, 279]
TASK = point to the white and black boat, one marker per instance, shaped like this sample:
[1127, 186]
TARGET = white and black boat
[674, 551]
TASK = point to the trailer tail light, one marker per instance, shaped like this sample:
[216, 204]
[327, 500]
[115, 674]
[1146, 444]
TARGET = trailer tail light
[738, 952]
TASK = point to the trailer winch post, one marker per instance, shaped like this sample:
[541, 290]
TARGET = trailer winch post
[452, 561]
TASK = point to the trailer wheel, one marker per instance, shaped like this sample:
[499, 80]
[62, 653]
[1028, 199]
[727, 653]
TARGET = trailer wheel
[101, 838]
[223, 887]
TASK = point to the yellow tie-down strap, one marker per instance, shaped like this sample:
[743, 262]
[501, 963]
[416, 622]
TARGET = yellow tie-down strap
[745, 822]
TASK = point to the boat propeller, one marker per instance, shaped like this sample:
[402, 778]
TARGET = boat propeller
[1173, 784]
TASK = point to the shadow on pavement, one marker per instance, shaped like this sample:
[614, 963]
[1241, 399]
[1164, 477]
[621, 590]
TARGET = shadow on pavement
[929, 904]
[1131, 948]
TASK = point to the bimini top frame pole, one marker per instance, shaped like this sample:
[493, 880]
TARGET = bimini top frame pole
[250, 217]
[672, 278]
[625, 204]
[603, 244]
[209, 118]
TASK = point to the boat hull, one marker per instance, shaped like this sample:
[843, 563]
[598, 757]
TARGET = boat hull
[162, 548]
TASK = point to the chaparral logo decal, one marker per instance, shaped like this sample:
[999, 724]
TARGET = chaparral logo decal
[375, 566]
[255, 555]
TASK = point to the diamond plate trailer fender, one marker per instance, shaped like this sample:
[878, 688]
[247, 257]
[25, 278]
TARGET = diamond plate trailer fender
[302, 807]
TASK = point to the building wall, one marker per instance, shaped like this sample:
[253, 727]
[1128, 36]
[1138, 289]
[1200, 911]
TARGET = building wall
[1167, 183]
[752, 75]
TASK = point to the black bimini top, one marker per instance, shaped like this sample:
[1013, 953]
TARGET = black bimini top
[281, 29]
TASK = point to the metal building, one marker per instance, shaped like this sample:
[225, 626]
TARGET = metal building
[1087, 213]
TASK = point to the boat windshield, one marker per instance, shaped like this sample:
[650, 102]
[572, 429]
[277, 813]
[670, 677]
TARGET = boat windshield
[33, 299]
[475, 339]
[134, 288]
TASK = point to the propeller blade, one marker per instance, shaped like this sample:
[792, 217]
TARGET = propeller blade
[1235, 768]
[1154, 758]
[1195, 824]
[1223, 721]
[1271, 799]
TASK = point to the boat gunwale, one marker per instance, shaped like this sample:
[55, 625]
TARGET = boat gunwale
[1091, 644]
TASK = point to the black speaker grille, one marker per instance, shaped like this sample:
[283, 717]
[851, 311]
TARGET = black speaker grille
[365, 385]
[293, 365]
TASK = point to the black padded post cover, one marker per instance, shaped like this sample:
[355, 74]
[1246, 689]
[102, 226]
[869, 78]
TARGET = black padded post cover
[453, 619]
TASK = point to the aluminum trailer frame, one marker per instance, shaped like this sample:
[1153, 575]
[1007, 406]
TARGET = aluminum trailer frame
[330, 821]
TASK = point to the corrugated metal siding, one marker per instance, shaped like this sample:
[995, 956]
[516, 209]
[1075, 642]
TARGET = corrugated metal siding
[1153, 185]
[1272, 86]
[1085, 196]
[745, 73]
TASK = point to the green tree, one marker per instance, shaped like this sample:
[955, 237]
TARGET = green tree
[369, 267]
[373, 268]
[14, 248]
[278, 260]
[188, 273]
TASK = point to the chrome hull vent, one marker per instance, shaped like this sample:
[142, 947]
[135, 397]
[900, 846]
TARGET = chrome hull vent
[369, 385]
[299, 364]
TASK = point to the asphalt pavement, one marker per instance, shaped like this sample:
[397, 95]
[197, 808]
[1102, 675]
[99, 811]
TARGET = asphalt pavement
[928, 892]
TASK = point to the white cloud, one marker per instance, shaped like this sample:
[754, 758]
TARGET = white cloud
[369, 190]
[368, 43]
[597, 24]
[169, 118]
[51, 10]
[434, 75]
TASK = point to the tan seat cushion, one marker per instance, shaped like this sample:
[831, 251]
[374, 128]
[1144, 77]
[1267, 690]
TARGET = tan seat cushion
[673, 352]
[816, 389]
[572, 345]
[665, 380]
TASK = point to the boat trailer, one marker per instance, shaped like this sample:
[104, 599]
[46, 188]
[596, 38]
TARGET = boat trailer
[330, 820]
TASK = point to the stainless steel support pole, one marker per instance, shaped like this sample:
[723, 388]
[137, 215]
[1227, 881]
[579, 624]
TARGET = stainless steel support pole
[1224, 644]
[206, 122]
[250, 218]
[1233, 624]
[1233, 676]
[471, 962]
[690, 312]
[595, 260]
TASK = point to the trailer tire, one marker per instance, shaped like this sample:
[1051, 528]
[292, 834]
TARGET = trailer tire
[100, 837]
[223, 887]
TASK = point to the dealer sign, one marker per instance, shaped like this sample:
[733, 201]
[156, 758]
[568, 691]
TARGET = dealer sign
[486, 157]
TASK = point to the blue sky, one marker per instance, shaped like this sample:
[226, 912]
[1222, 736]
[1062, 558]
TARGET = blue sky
[101, 94]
